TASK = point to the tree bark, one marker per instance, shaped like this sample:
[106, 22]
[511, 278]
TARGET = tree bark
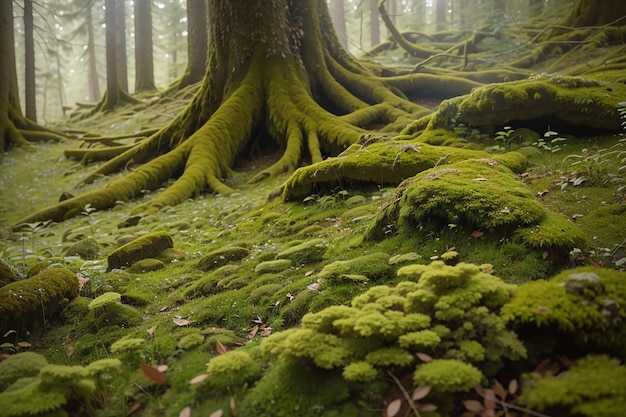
[144, 62]
[440, 14]
[339, 21]
[94, 81]
[29, 67]
[120, 44]
[374, 23]
[112, 95]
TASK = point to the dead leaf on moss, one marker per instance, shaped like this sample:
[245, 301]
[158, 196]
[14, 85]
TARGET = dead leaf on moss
[198, 378]
[477, 233]
[424, 357]
[394, 407]
[134, 408]
[181, 322]
[220, 348]
[186, 412]
[217, 413]
[420, 392]
[233, 407]
[153, 374]
[162, 368]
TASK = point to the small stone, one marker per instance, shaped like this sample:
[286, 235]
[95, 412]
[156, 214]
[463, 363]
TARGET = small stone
[584, 282]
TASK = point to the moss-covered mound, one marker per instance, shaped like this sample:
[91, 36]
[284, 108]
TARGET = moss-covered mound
[148, 246]
[382, 163]
[478, 195]
[221, 257]
[578, 311]
[21, 302]
[7, 273]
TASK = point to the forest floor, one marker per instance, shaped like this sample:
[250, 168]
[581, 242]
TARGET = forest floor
[244, 304]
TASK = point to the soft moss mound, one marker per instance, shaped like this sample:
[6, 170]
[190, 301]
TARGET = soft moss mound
[595, 386]
[373, 266]
[148, 246]
[20, 365]
[7, 273]
[221, 257]
[21, 302]
[309, 251]
[384, 162]
[579, 310]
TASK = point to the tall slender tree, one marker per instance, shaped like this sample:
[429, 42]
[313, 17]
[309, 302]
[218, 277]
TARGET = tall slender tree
[144, 61]
[29, 67]
[94, 80]
[120, 44]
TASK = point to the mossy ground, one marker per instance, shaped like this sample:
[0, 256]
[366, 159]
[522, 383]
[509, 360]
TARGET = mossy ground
[237, 303]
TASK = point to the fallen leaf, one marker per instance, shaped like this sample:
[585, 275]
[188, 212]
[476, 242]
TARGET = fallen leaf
[233, 407]
[420, 392]
[394, 407]
[181, 322]
[81, 281]
[309, 273]
[198, 378]
[151, 330]
[428, 408]
[186, 412]
[545, 254]
[23, 344]
[480, 179]
[134, 408]
[162, 368]
[70, 351]
[258, 320]
[253, 332]
[513, 386]
[313, 287]
[217, 413]
[162, 309]
[153, 374]
[220, 348]
[477, 233]
[424, 357]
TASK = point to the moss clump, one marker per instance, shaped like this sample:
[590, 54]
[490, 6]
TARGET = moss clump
[20, 365]
[374, 266]
[190, 341]
[595, 386]
[361, 371]
[567, 315]
[127, 345]
[221, 257]
[146, 265]
[276, 265]
[447, 375]
[104, 300]
[8, 274]
[45, 264]
[309, 251]
[21, 302]
[233, 369]
[148, 246]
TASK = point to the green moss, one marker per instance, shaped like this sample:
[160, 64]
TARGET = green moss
[45, 264]
[558, 315]
[105, 299]
[273, 266]
[307, 252]
[232, 370]
[553, 231]
[8, 274]
[21, 302]
[359, 372]
[595, 386]
[146, 265]
[221, 257]
[24, 364]
[190, 341]
[208, 284]
[447, 376]
[390, 356]
[33, 399]
[127, 345]
[148, 246]
[374, 266]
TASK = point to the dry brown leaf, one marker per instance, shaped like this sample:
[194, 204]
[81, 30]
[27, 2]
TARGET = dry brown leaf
[427, 408]
[545, 254]
[217, 413]
[394, 407]
[499, 390]
[473, 405]
[198, 378]
[162, 309]
[151, 330]
[186, 412]
[424, 357]
[134, 408]
[233, 407]
[420, 392]
[477, 233]
[181, 322]
[513, 386]
[153, 374]
[309, 273]
[220, 348]
[253, 331]
[490, 396]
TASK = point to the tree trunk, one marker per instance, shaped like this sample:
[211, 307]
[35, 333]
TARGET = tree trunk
[29, 52]
[339, 21]
[374, 23]
[94, 81]
[120, 44]
[144, 63]
[112, 95]
[440, 14]
[273, 66]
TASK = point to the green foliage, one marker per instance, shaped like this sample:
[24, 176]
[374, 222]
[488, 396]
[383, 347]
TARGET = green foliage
[20, 365]
[190, 341]
[595, 386]
[506, 137]
[549, 145]
[567, 312]
[361, 371]
[127, 345]
[233, 369]
[447, 375]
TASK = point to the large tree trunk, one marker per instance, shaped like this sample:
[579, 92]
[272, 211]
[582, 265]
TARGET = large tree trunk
[94, 81]
[144, 62]
[120, 44]
[273, 66]
[30, 87]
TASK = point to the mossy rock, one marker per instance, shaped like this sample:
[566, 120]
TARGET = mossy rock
[374, 266]
[146, 265]
[117, 315]
[8, 274]
[87, 248]
[21, 301]
[311, 230]
[276, 265]
[171, 255]
[567, 314]
[309, 251]
[382, 163]
[76, 310]
[44, 264]
[221, 257]
[148, 246]
[20, 365]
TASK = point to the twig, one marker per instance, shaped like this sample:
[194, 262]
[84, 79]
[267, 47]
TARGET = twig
[405, 394]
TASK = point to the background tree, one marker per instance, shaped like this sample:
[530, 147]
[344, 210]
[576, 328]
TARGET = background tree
[120, 44]
[337, 13]
[144, 61]
[29, 51]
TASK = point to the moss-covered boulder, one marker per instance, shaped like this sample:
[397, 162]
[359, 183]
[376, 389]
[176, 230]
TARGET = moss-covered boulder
[20, 365]
[373, 266]
[148, 246]
[276, 265]
[21, 302]
[146, 265]
[309, 251]
[221, 257]
[44, 264]
[8, 274]
[579, 310]
[87, 248]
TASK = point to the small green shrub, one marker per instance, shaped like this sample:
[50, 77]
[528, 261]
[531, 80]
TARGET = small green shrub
[447, 375]
[232, 369]
[20, 365]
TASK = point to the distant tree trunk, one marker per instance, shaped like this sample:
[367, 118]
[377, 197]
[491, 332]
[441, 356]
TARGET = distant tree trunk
[144, 63]
[440, 14]
[339, 21]
[29, 52]
[120, 44]
[94, 82]
[374, 27]
[112, 95]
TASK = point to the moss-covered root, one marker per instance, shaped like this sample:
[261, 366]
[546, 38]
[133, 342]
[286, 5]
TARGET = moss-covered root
[22, 302]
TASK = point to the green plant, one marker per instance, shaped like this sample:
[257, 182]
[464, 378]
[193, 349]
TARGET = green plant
[549, 145]
[507, 137]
